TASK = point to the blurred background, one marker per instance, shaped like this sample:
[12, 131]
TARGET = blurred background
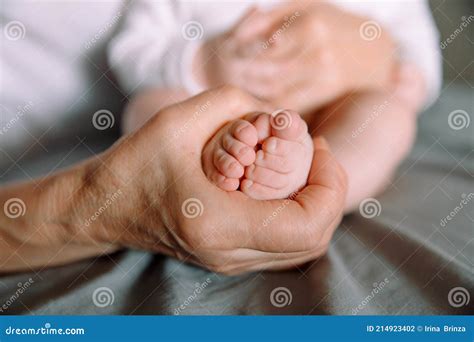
[458, 63]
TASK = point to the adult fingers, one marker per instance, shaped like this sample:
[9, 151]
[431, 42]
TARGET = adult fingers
[205, 113]
[251, 25]
[301, 223]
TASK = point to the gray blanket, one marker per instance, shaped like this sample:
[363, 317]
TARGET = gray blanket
[410, 251]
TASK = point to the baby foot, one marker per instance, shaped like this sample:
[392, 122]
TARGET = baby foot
[279, 167]
[229, 152]
[282, 164]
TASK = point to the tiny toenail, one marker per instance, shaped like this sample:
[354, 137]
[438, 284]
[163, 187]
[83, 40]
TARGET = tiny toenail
[243, 150]
[249, 183]
[271, 145]
[233, 165]
[259, 155]
[241, 127]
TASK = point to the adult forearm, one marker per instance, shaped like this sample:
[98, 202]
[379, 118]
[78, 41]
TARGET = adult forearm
[44, 222]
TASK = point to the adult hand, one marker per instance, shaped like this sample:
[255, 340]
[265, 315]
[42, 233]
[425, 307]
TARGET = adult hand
[303, 55]
[149, 192]
[169, 205]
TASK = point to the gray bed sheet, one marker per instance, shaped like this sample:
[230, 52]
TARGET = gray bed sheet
[403, 261]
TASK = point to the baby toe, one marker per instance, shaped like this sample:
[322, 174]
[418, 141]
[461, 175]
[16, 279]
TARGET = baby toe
[229, 184]
[266, 177]
[257, 191]
[227, 165]
[288, 125]
[245, 132]
[277, 146]
[262, 124]
[274, 162]
[240, 151]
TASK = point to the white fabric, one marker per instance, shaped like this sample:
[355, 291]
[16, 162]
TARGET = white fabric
[149, 50]
[50, 71]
